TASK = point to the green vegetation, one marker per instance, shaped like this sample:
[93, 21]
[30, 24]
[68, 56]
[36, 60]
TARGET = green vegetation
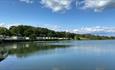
[4, 31]
[92, 37]
[33, 32]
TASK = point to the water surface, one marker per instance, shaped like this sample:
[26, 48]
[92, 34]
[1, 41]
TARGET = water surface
[59, 55]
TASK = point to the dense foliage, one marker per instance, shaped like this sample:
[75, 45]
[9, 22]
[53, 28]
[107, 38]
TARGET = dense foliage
[29, 31]
[32, 32]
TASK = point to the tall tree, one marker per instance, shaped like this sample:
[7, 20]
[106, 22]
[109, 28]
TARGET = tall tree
[4, 31]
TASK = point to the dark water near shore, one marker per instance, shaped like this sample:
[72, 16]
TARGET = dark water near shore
[59, 55]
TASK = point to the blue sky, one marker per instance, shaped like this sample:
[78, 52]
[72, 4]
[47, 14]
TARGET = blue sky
[70, 15]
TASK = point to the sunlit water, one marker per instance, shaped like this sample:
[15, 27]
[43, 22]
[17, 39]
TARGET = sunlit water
[59, 55]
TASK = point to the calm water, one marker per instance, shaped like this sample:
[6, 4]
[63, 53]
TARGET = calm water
[59, 55]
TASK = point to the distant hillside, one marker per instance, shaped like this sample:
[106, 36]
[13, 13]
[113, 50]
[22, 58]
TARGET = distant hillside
[30, 31]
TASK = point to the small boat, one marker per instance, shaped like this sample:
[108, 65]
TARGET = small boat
[3, 55]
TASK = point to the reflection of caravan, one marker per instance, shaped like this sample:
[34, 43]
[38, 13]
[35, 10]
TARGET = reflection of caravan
[3, 54]
[1, 37]
[14, 38]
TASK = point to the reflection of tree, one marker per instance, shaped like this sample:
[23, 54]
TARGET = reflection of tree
[26, 49]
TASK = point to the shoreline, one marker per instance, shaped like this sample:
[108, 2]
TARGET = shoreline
[14, 41]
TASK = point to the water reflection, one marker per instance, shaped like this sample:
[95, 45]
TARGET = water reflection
[28, 48]
[63, 55]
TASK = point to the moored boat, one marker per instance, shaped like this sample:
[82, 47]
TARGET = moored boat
[3, 54]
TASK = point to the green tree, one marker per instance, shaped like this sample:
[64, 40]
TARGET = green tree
[4, 31]
[32, 37]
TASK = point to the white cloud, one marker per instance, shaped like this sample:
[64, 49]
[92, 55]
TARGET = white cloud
[97, 29]
[62, 5]
[57, 5]
[2, 24]
[51, 26]
[8, 25]
[96, 5]
[27, 1]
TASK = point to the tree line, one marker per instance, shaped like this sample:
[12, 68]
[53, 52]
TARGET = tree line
[30, 31]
